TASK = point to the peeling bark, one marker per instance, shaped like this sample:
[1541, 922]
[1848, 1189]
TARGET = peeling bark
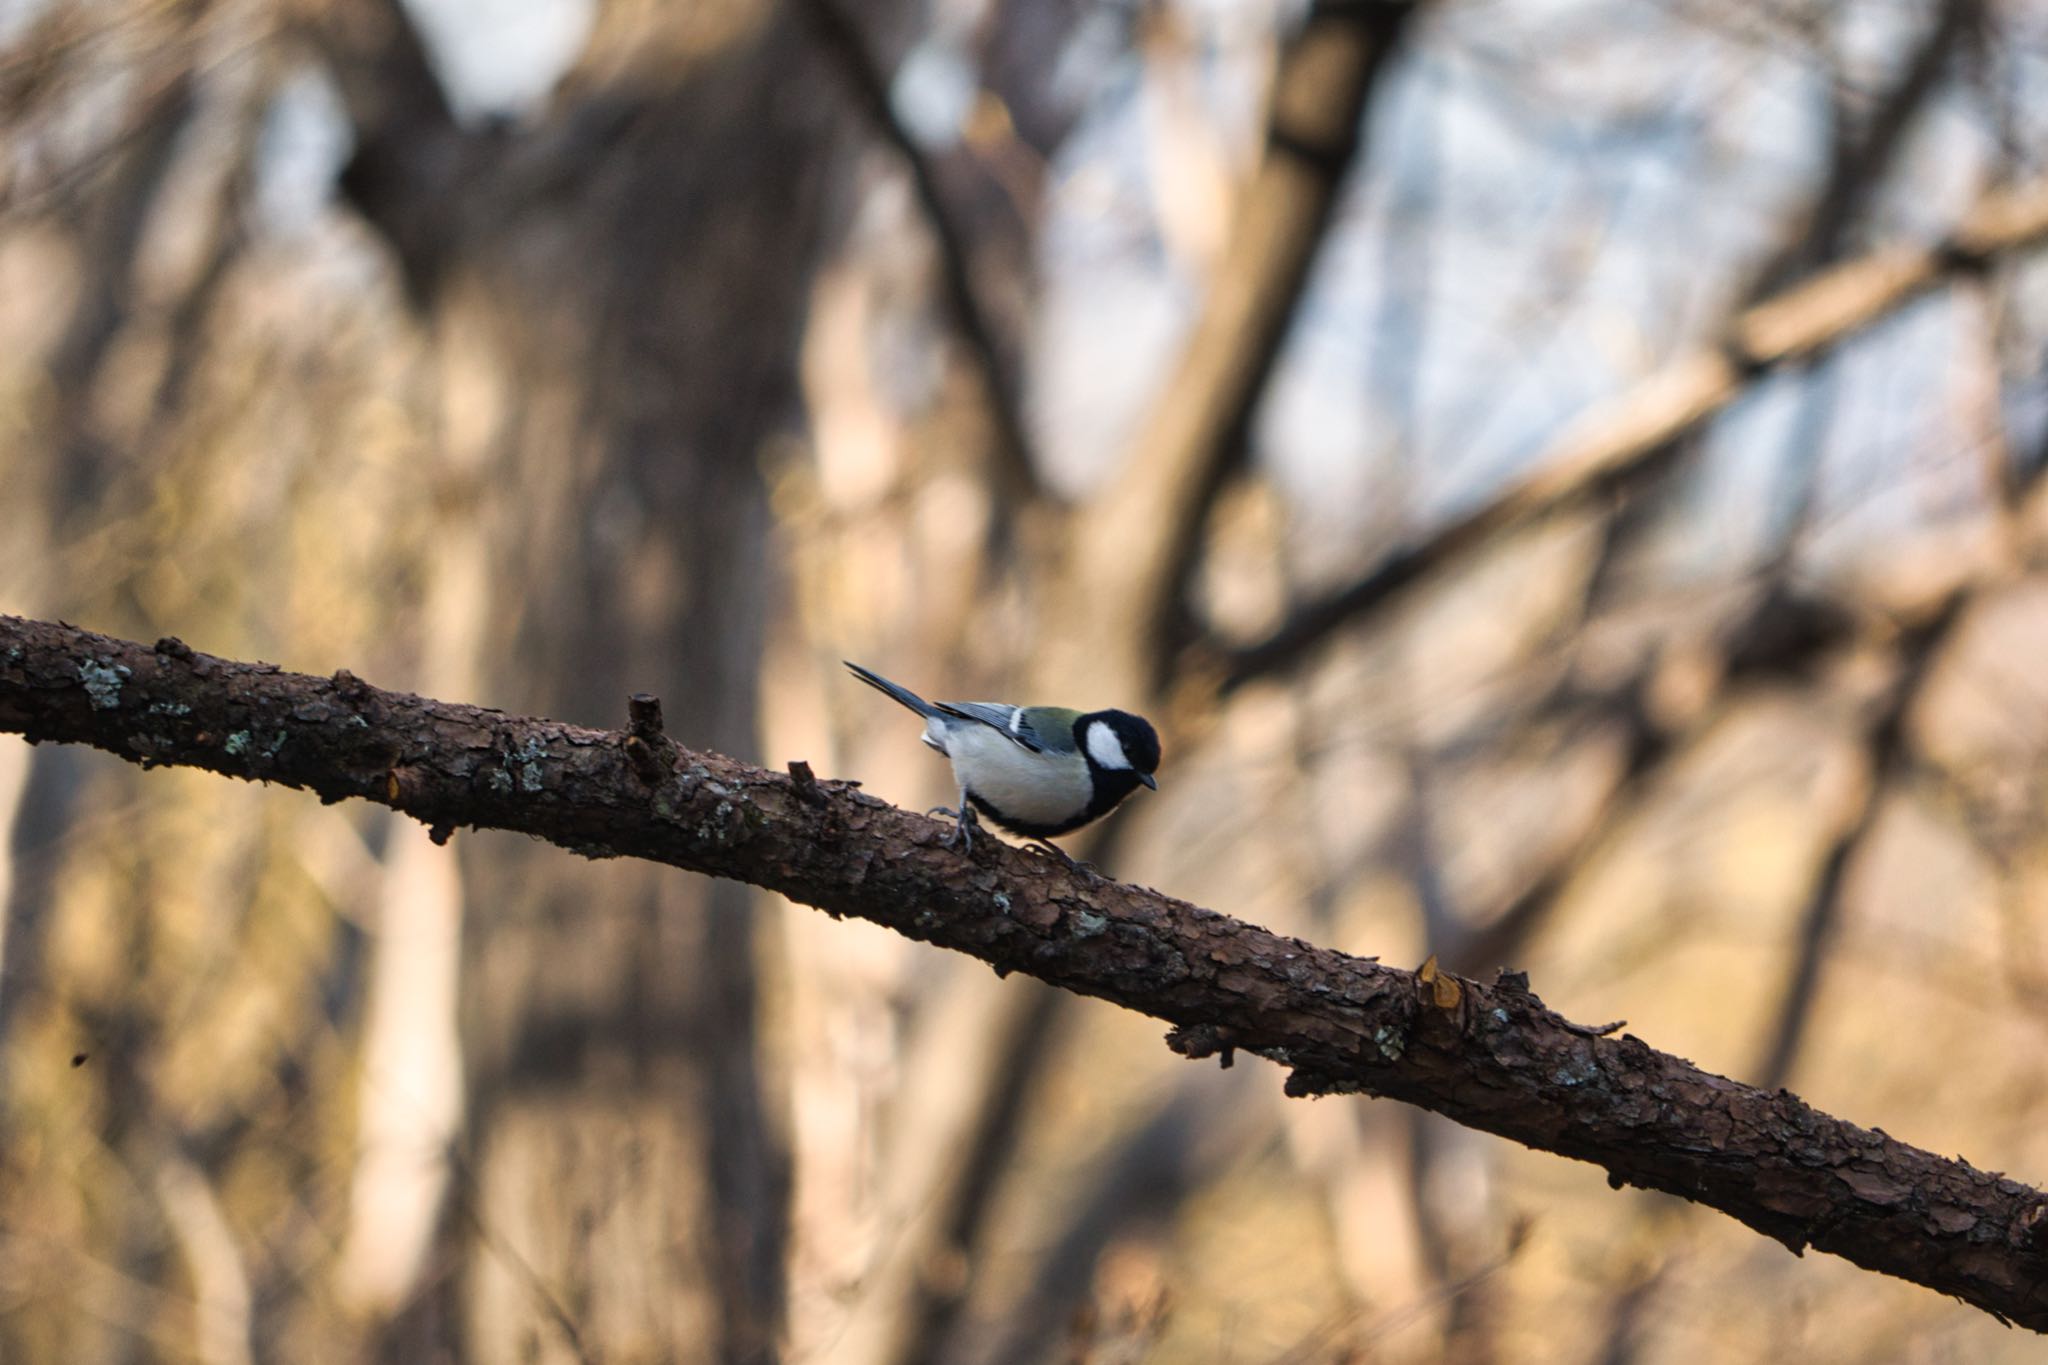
[1489, 1055]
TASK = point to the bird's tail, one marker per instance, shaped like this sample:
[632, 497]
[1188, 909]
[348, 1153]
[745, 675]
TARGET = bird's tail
[902, 695]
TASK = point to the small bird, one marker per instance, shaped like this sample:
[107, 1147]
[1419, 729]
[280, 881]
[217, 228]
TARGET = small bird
[1038, 771]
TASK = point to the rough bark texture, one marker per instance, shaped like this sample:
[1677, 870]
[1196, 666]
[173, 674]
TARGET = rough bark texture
[1491, 1056]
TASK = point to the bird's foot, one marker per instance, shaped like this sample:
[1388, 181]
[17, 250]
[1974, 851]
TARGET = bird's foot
[1053, 850]
[965, 822]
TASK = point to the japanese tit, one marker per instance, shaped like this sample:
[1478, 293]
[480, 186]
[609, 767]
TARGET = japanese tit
[1035, 770]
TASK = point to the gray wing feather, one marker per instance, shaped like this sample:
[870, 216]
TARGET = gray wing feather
[998, 716]
[1040, 729]
[1015, 722]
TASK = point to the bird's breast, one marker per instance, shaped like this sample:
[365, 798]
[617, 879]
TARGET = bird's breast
[1020, 788]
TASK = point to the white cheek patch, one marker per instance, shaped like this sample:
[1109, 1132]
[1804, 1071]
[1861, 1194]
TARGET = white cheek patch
[1105, 749]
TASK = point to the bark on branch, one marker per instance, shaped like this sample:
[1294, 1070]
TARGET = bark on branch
[1489, 1055]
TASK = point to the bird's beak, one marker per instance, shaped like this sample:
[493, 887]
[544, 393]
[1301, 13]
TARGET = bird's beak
[1149, 781]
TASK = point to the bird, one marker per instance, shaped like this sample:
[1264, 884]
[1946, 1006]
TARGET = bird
[1038, 771]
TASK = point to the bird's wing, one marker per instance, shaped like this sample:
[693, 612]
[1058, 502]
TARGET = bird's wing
[1036, 728]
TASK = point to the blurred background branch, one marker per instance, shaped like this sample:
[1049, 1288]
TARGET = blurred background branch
[1624, 436]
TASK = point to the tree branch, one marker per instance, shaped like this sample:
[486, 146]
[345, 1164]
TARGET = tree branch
[1012, 464]
[1620, 437]
[1136, 543]
[1490, 1056]
[409, 150]
[1889, 750]
[1863, 158]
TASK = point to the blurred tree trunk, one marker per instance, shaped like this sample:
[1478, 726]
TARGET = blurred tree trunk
[615, 300]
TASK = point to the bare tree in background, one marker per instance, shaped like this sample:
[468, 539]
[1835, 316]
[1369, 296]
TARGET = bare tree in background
[616, 296]
[611, 300]
[1566, 483]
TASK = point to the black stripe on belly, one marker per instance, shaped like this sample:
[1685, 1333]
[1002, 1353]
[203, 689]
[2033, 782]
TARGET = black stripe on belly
[1110, 788]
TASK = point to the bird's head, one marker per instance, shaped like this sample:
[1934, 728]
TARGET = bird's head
[1117, 741]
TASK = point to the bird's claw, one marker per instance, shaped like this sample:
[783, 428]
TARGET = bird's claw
[1054, 850]
[964, 823]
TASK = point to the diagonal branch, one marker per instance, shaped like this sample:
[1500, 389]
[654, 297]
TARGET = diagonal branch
[1862, 159]
[1490, 1056]
[1135, 543]
[1622, 436]
[1014, 468]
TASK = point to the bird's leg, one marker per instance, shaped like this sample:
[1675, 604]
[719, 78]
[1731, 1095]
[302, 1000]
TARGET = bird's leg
[964, 823]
